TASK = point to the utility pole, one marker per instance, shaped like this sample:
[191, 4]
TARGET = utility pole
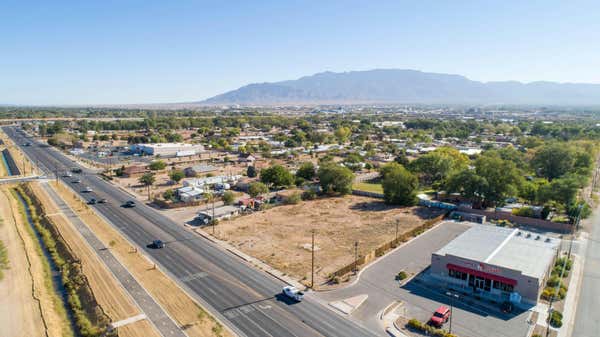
[355, 257]
[213, 215]
[452, 297]
[579, 208]
[312, 261]
[396, 237]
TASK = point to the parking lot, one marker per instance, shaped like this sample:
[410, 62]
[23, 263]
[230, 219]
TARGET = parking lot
[419, 300]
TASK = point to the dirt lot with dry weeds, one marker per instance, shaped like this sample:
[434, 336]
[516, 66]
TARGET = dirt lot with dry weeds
[281, 236]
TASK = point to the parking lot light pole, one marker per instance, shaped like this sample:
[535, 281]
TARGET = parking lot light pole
[452, 297]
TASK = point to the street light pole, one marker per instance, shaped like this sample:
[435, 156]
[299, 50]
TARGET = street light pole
[452, 297]
[355, 256]
[312, 263]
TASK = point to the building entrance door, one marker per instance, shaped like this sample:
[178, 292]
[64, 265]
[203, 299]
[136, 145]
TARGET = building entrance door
[479, 282]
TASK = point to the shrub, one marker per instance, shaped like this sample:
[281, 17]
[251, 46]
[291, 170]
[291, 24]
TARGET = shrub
[555, 319]
[309, 195]
[157, 165]
[228, 197]
[415, 324]
[553, 281]
[401, 275]
[292, 199]
[561, 261]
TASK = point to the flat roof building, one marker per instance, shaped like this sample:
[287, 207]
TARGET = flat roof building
[167, 149]
[497, 263]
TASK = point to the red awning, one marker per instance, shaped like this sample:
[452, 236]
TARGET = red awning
[482, 274]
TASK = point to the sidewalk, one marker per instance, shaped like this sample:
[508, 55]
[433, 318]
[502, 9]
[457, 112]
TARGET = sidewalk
[572, 297]
[252, 260]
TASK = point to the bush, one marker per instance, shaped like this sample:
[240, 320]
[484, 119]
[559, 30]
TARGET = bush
[157, 165]
[401, 275]
[561, 261]
[553, 281]
[228, 197]
[524, 211]
[415, 324]
[555, 319]
[309, 195]
[292, 199]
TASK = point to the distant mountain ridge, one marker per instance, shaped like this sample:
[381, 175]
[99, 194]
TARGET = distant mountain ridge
[406, 86]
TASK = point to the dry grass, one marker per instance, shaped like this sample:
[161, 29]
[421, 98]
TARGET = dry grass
[37, 307]
[108, 292]
[281, 236]
[172, 298]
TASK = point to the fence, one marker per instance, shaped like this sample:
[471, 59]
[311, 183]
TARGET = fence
[368, 194]
[521, 220]
[381, 250]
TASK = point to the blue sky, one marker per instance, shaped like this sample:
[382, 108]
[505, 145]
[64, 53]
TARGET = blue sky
[105, 52]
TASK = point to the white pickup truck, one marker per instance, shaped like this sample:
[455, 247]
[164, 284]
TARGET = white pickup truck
[293, 293]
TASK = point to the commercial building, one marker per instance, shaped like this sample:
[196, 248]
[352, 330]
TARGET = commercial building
[496, 263]
[167, 149]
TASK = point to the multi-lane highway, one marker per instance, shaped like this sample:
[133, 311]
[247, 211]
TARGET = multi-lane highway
[247, 300]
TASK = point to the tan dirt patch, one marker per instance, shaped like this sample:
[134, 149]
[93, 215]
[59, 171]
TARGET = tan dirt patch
[279, 236]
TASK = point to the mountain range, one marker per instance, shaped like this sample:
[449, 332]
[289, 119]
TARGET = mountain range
[406, 86]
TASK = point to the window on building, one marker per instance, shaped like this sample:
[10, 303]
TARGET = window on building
[503, 286]
[457, 274]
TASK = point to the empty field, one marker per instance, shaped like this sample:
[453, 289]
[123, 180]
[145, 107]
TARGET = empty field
[281, 236]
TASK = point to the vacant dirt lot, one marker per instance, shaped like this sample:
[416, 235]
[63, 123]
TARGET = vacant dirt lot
[281, 236]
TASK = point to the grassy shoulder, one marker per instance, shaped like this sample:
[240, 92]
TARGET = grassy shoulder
[368, 187]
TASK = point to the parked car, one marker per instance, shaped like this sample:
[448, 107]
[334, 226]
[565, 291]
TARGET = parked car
[129, 204]
[293, 293]
[440, 316]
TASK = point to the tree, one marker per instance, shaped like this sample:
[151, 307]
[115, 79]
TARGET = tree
[228, 197]
[176, 175]
[147, 180]
[435, 166]
[306, 171]
[257, 188]
[502, 177]
[157, 165]
[468, 184]
[335, 179]
[251, 171]
[553, 160]
[399, 186]
[342, 134]
[562, 190]
[277, 176]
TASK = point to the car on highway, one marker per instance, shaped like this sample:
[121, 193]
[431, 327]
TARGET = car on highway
[92, 201]
[67, 175]
[129, 204]
[293, 293]
[440, 316]
[102, 201]
[157, 244]
[76, 170]
[76, 181]
[87, 189]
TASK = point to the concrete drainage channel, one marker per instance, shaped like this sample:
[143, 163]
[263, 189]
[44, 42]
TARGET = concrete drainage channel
[9, 163]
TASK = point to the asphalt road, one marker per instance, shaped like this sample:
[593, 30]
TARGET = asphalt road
[419, 300]
[586, 317]
[247, 300]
